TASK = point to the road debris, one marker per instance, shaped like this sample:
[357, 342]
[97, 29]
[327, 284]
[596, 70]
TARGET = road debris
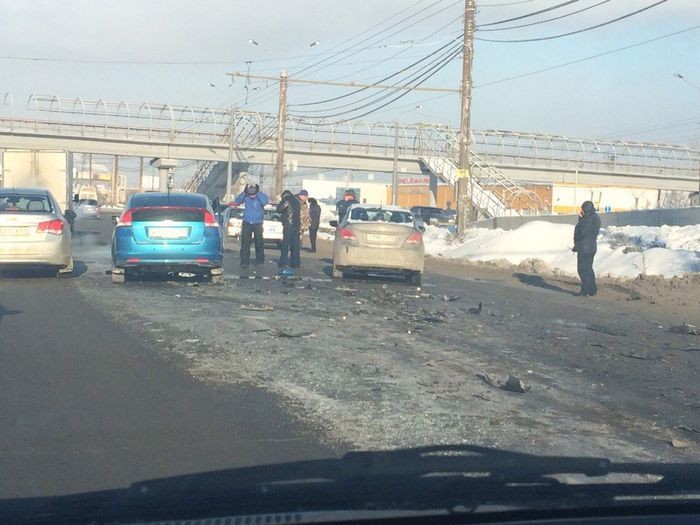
[679, 443]
[605, 330]
[258, 307]
[686, 428]
[346, 289]
[450, 298]
[512, 384]
[191, 341]
[285, 332]
[477, 310]
[684, 329]
[637, 356]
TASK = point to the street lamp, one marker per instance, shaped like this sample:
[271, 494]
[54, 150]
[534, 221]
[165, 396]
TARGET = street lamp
[682, 78]
[395, 178]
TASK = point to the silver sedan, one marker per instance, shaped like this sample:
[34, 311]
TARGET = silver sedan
[34, 231]
[378, 239]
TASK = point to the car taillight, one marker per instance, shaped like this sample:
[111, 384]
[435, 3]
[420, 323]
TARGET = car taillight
[125, 219]
[415, 238]
[210, 220]
[347, 234]
[55, 227]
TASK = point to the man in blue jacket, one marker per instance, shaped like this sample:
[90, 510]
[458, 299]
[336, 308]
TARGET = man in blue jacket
[253, 216]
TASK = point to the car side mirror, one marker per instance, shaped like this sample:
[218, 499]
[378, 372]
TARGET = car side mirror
[334, 224]
[70, 215]
[421, 228]
[115, 219]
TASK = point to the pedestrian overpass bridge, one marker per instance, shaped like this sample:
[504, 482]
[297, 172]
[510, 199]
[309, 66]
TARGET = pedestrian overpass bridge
[500, 161]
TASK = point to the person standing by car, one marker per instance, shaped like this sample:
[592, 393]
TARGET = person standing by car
[585, 246]
[253, 216]
[289, 209]
[315, 216]
[303, 197]
[343, 206]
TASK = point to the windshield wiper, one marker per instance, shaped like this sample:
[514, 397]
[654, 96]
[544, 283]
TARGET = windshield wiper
[463, 477]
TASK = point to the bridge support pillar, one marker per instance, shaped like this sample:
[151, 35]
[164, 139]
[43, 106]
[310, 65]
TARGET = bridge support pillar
[165, 170]
[433, 186]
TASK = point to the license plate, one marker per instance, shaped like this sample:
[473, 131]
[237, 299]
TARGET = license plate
[13, 231]
[168, 233]
[380, 238]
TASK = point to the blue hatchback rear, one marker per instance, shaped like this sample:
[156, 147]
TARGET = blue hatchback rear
[167, 233]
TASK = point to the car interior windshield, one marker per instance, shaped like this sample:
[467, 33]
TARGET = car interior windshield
[272, 215]
[380, 215]
[25, 204]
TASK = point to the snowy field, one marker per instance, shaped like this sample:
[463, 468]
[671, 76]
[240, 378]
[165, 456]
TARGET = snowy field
[623, 252]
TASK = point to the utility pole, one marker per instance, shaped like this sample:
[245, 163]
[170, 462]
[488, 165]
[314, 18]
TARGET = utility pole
[229, 165]
[464, 205]
[115, 178]
[395, 177]
[141, 174]
[282, 121]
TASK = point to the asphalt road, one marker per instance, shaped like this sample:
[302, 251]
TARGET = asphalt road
[85, 405]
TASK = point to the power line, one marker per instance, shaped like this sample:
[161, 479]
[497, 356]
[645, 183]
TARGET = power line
[597, 55]
[399, 84]
[370, 37]
[547, 19]
[425, 9]
[507, 4]
[628, 15]
[378, 81]
[427, 75]
[528, 15]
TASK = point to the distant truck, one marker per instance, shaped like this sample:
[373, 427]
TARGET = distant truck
[51, 170]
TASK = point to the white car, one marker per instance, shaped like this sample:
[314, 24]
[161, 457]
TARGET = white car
[233, 221]
[272, 225]
[87, 209]
[34, 231]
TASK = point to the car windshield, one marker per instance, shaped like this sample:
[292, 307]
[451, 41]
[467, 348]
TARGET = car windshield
[380, 215]
[24, 203]
[407, 256]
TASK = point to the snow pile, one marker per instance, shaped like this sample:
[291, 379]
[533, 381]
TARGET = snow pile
[622, 251]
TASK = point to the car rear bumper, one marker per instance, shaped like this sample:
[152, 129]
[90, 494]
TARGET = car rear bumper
[126, 253]
[50, 253]
[364, 258]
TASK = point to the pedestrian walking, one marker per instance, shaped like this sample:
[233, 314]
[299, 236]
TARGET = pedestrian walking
[342, 206]
[253, 216]
[315, 215]
[289, 209]
[303, 197]
[585, 246]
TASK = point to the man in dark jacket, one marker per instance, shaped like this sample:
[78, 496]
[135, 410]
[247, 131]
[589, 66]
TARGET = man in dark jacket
[315, 214]
[253, 216]
[341, 207]
[289, 209]
[585, 246]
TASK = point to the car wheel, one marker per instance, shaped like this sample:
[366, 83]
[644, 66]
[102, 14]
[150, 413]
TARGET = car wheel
[118, 276]
[415, 278]
[336, 273]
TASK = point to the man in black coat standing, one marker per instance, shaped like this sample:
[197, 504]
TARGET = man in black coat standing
[315, 214]
[585, 246]
[289, 209]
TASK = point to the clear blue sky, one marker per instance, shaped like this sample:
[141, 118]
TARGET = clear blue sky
[630, 94]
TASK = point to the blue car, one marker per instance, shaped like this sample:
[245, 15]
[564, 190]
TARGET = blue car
[167, 233]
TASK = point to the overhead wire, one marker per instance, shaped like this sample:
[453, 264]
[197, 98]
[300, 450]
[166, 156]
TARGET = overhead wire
[314, 67]
[528, 15]
[419, 80]
[384, 79]
[365, 32]
[570, 33]
[546, 20]
[395, 87]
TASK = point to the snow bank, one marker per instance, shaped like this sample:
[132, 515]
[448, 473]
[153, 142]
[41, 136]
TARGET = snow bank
[622, 251]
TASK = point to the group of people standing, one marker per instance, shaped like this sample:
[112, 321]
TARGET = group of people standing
[299, 215]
